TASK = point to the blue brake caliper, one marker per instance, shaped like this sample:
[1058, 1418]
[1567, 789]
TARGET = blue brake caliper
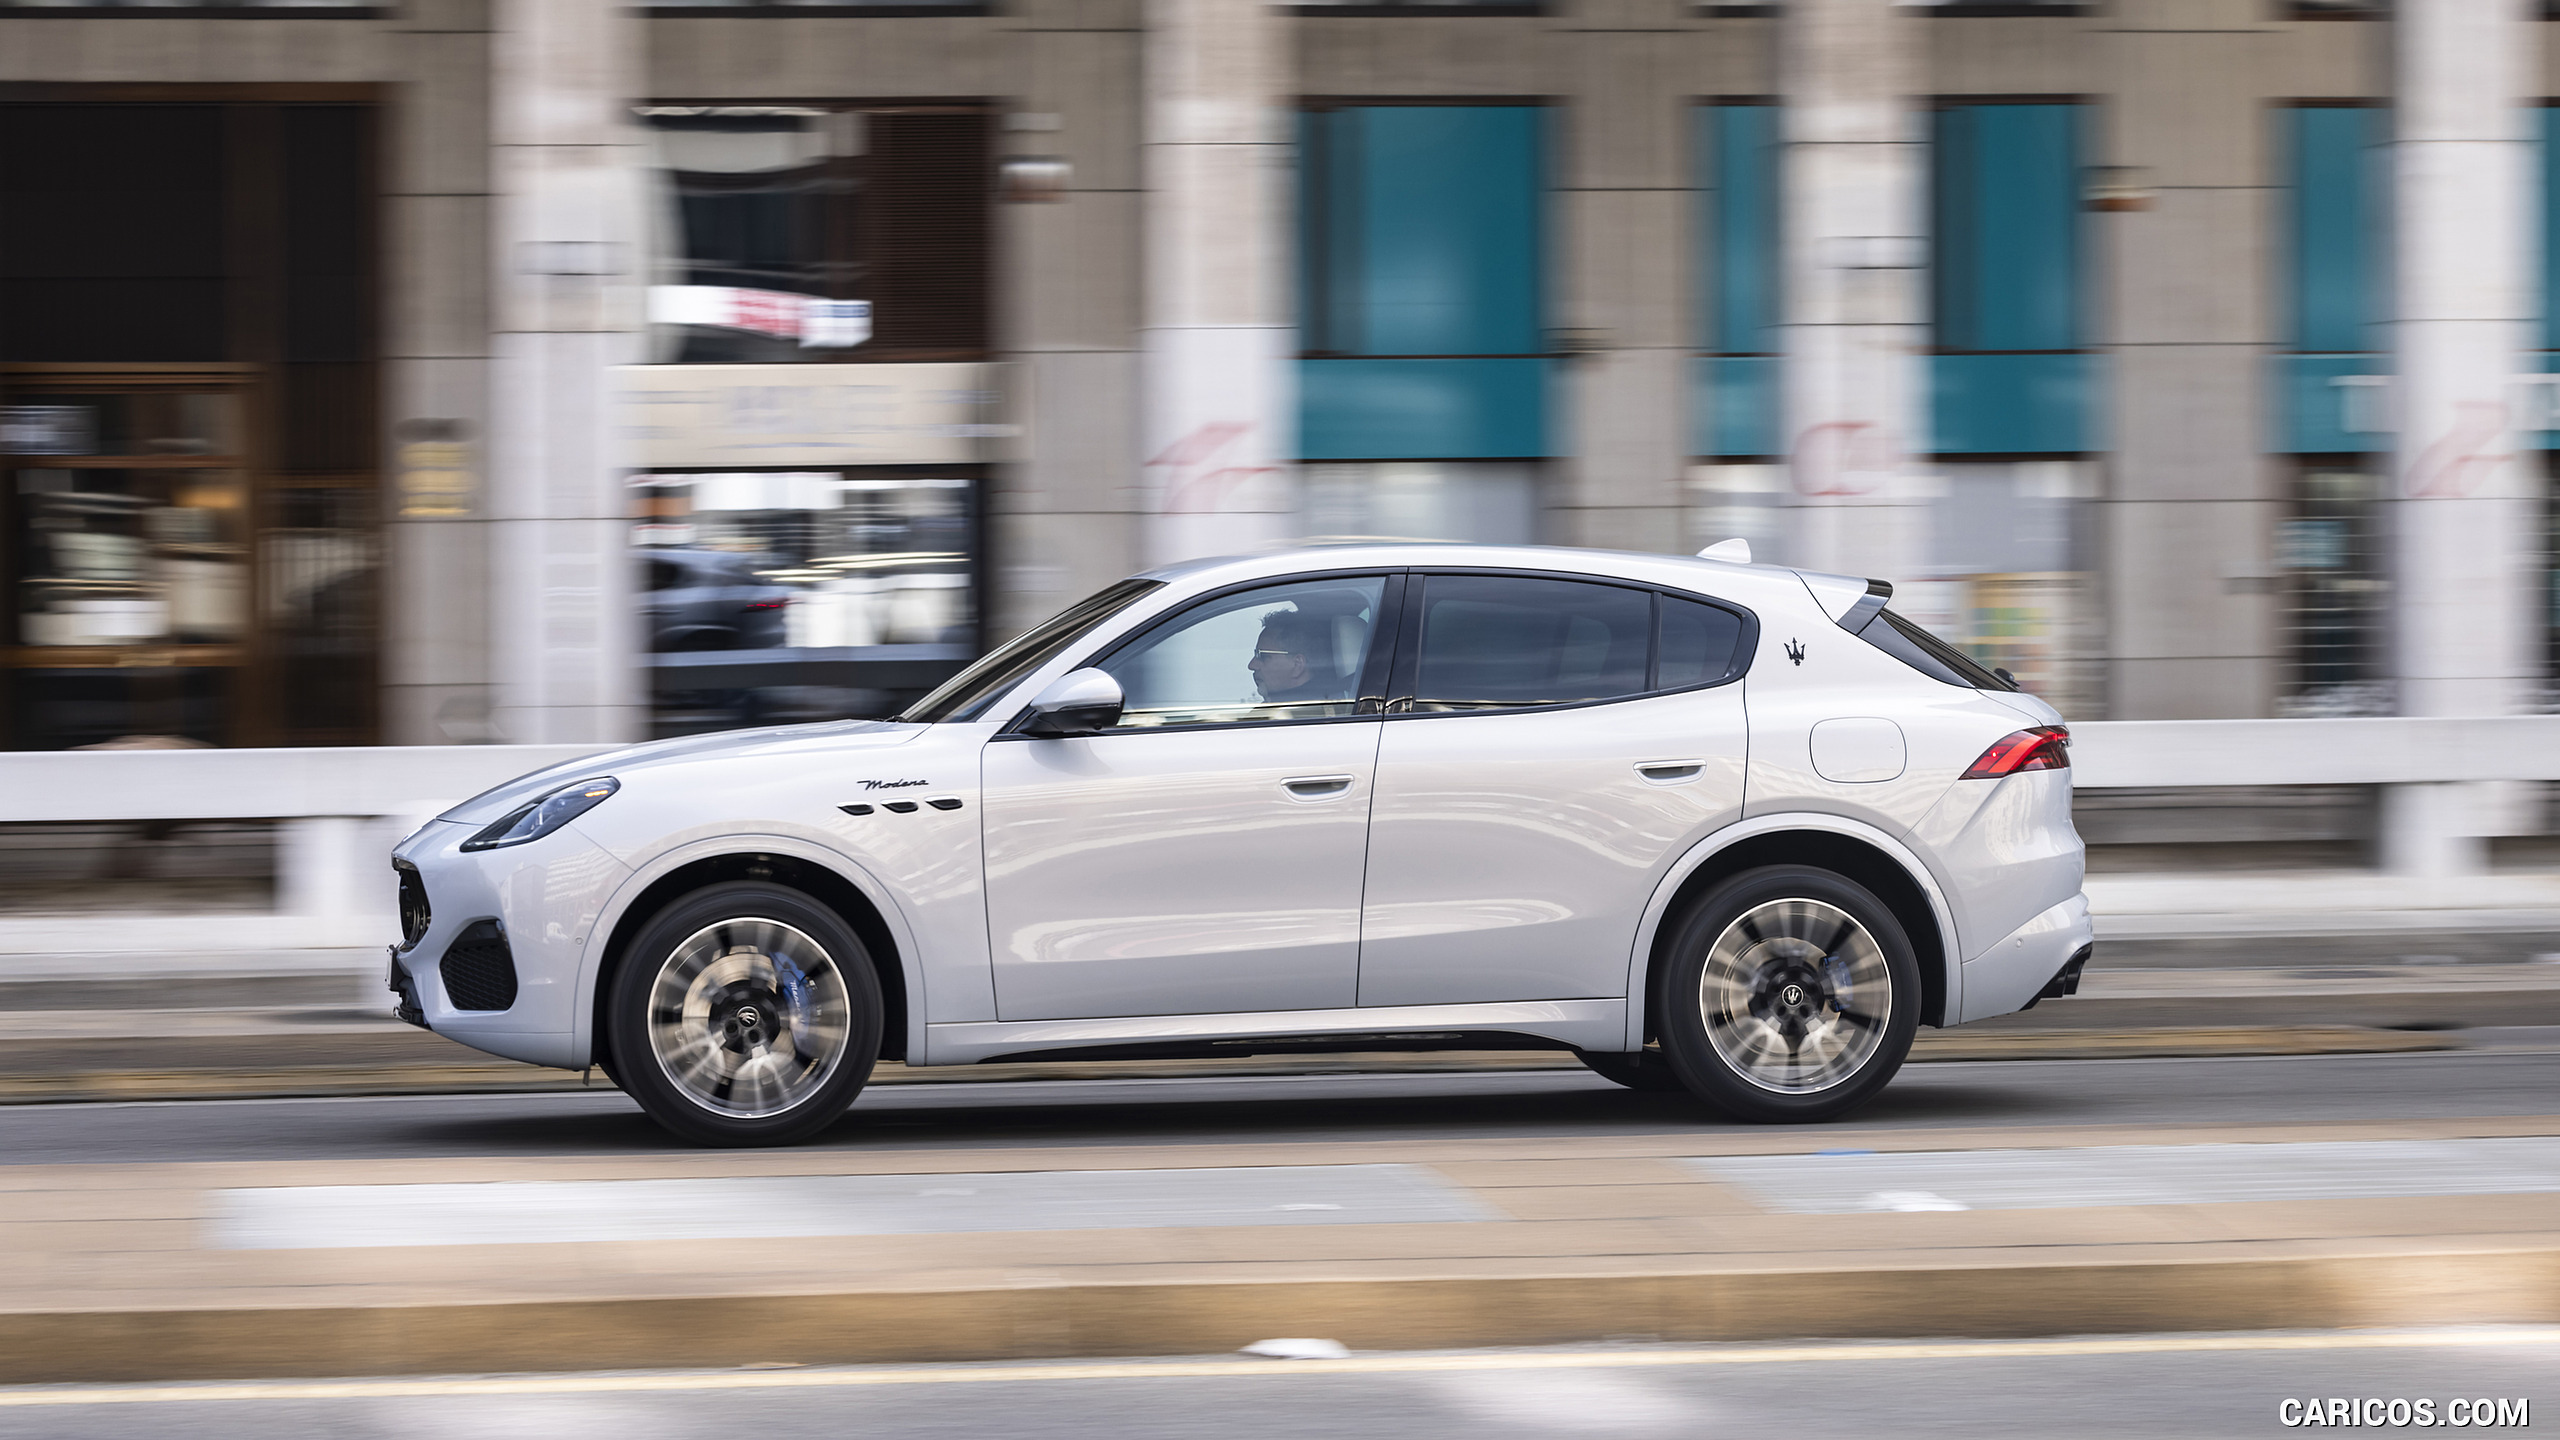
[795, 994]
[1835, 975]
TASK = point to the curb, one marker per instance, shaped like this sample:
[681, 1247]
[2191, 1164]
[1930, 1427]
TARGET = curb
[2519, 1285]
[307, 1081]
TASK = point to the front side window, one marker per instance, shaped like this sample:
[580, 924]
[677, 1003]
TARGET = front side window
[967, 695]
[1508, 642]
[1276, 652]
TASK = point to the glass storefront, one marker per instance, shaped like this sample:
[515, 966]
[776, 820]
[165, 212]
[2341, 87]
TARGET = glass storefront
[818, 423]
[2329, 556]
[772, 596]
[189, 525]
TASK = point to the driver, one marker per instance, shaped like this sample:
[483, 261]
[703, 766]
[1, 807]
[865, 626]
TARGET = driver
[1284, 661]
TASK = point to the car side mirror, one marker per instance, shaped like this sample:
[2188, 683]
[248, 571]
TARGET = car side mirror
[1079, 702]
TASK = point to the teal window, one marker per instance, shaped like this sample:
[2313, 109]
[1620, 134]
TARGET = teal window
[2336, 289]
[1421, 273]
[2007, 269]
[1734, 380]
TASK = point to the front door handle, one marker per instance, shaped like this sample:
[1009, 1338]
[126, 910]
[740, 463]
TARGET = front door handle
[1317, 787]
[1670, 772]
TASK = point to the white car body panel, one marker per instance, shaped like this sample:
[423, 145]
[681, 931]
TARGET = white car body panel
[1143, 872]
[1479, 871]
[1510, 855]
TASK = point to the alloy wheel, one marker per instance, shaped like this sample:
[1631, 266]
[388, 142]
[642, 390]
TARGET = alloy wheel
[1796, 996]
[749, 1017]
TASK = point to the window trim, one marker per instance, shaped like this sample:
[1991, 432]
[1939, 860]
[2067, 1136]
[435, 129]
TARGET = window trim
[1373, 674]
[1409, 642]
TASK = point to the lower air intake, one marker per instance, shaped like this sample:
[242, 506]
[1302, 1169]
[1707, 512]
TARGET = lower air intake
[479, 971]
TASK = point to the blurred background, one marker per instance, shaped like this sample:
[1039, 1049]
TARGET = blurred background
[459, 372]
[396, 398]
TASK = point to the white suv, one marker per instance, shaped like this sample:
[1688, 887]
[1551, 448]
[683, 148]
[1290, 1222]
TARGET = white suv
[1714, 826]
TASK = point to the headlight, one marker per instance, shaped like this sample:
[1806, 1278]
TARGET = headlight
[532, 822]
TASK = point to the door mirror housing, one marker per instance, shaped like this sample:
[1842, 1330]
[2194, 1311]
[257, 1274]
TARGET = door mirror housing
[1079, 702]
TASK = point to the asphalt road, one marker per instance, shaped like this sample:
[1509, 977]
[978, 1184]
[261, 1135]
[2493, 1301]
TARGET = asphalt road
[1987, 1096]
[2131, 1386]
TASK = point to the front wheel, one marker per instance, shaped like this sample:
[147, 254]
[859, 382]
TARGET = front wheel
[745, 1014]
[1791, 994]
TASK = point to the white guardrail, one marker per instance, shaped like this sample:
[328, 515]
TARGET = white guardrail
[339, 810]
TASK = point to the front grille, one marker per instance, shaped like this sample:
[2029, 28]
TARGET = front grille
[479, 971]
[414, 914]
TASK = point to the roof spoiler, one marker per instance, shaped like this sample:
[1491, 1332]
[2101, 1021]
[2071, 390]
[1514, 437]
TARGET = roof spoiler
[1850, 602]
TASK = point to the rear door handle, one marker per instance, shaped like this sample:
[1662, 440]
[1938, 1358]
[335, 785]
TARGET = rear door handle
[1317, 787]
[1670, 772]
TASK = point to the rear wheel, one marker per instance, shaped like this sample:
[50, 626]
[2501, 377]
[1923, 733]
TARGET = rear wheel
[1791, 994]
[745, 1014]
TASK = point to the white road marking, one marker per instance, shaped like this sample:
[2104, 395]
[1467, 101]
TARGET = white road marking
[547, 1212]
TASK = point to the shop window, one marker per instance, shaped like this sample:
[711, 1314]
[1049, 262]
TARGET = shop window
[1419, 7]
[797, 245]
[1421, 274]
[1737, 149]
[808, 8]
[188, 424]
[200, 9]
[773, 596]
[2329, 553]
[2548, 702]
[796, 233]
[2009, 579]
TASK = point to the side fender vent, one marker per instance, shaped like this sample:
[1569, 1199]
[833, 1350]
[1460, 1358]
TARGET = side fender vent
[479, 970]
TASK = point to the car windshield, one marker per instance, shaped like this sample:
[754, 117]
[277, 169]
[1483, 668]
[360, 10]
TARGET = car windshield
[966, 696]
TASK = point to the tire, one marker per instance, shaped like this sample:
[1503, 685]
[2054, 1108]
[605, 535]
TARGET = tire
[745, 1014]
[1645, 1070]
[1790, 996]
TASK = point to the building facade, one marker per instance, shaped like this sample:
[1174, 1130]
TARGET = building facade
[559, 370]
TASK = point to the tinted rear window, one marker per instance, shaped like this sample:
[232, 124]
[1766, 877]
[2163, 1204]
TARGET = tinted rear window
[1503, 642]
[1698, 643]
[1926, 653]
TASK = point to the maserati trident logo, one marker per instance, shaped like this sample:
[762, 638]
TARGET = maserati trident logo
[1795, 651]
[891, 784]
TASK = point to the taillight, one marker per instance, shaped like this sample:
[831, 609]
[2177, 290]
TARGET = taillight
[2046, 747]
[766, 604]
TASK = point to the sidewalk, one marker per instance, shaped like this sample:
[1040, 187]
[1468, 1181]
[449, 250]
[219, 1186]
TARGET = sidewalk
[131, 1272]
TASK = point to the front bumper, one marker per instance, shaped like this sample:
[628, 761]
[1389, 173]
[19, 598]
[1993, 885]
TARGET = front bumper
[518, 921]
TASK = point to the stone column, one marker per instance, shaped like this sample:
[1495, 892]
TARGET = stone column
[1218, 404]
[567, 307]
[435, 614]
[1855, 240]
[2464, 548]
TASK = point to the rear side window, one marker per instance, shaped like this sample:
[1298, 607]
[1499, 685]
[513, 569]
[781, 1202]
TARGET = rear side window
[1508, 642]
[1926, 653]
[1699, 643]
